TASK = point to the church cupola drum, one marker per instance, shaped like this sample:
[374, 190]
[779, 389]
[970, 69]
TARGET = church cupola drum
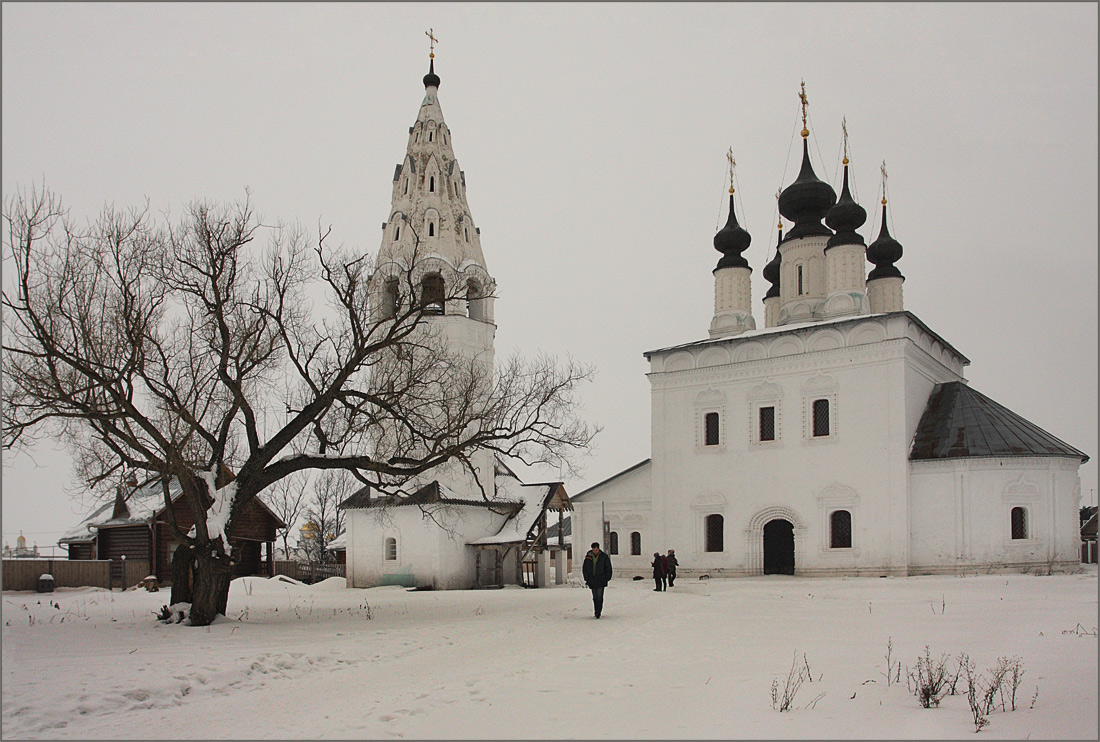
[732, 298]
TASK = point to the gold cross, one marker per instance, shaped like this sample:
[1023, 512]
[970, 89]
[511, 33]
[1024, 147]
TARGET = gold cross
[883, 169]
[733, 164]
[429, 34]
[844, 128]
[805, 100]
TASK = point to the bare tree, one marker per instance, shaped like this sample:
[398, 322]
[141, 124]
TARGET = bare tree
[287, 499]
[329, 490]
[154, 347]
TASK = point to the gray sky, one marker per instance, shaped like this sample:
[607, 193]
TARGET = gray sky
[593, 137]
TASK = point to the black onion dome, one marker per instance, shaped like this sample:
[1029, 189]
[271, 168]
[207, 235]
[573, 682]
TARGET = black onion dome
[884, 252]
[845, 217]
[771, 270]
[431, 80]
[731, 241]
[806, 201]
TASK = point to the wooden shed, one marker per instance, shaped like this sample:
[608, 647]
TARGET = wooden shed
[135, 526]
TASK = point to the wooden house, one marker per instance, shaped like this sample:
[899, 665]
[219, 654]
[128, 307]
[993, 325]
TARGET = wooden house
[135, 526]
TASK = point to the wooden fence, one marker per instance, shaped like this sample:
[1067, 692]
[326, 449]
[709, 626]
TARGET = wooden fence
[310, 573]
[23, 574]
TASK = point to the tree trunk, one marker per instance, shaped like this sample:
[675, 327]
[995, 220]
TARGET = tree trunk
[210, 593]
[182, 575]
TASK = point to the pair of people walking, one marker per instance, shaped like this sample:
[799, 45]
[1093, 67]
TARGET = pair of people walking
[664, 570]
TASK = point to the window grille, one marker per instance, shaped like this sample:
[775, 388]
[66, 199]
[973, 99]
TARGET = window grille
[1019, 522]
[840, 530]
[391, 549]
[613, 543]
[821, 418]
[711, 424]
[767, 423]
[636, 543]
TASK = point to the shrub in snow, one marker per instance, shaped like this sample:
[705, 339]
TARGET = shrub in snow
[798, 674]
[929, 682]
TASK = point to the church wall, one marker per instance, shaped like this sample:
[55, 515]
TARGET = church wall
[860, 466]
[428, 555]
[627, 503]
[961, 511]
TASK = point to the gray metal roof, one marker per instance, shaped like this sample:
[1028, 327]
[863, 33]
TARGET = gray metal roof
[960, 422]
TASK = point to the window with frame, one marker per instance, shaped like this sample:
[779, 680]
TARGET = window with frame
[636, 543]
[390, 551]
[767, 423]
[613, 543]
[712, 429]
[713, 526]
[821, 418]
[1019, 523]
[431, 184]
[431, 229]
[840, 529]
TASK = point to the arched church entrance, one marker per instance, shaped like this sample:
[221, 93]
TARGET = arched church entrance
[779, 547]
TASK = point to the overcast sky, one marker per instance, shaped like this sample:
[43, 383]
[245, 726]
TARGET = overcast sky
[594, 139]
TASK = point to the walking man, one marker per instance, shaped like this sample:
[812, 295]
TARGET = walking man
[597, 573]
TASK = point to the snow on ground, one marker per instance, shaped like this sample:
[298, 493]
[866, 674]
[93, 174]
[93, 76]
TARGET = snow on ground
[697, 661]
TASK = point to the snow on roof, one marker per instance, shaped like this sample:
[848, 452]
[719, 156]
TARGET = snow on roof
[141, 504]
[340, 542]
[515, 528]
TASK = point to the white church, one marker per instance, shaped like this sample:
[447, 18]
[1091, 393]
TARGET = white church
[840, 439]
[444, 531]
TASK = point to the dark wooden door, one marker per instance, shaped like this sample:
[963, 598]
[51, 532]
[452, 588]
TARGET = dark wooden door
[778, 547]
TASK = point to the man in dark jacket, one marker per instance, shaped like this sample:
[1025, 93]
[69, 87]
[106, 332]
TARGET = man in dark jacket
[597, 573]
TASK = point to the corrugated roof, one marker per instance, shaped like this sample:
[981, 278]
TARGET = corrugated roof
[960, 422]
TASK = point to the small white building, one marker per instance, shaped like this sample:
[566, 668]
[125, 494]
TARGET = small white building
[840, 439]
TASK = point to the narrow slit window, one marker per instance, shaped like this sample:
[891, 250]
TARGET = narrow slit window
[429, 136]
[431, 229]
[767, 423]
[821, 418]
[710, 422]
[1019, 523]
[406, 186]
[840, 530]
[431, 184]
[798, 271]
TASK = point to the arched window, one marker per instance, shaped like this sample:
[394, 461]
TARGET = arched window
[430, 136]
[798, 272]
[390, 554]
[613, 544]
[711, 424]
[840, 530]
[389, 298]
[715, 538]
[431, 184]
[636, 543]
[1019, 522]
[475, 302]
[431, 229]
[821, 418]
[396, 233]
[431, 293]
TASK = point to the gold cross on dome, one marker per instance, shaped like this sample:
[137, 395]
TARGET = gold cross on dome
[430, 34]
[883, 169]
